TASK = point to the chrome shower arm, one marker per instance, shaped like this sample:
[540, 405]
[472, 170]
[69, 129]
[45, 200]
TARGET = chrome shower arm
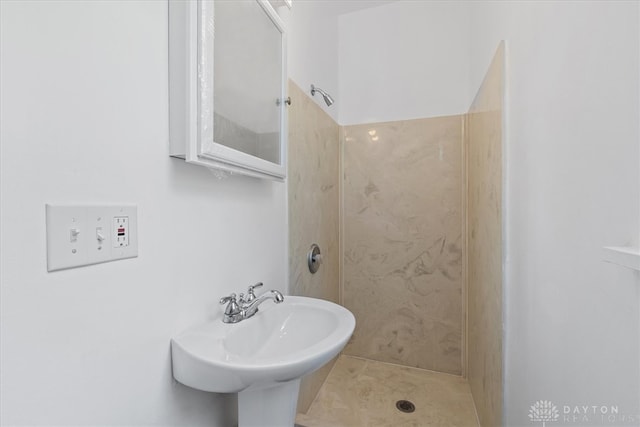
[327, 98]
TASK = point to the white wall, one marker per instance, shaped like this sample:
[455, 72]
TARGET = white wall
[403, 60]
[84, 120]
[313, 49]
[313, 44]
[572, 187]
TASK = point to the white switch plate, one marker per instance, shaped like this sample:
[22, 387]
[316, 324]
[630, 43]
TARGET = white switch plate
[94, 238]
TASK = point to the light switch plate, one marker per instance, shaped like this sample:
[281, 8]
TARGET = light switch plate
[83, 235]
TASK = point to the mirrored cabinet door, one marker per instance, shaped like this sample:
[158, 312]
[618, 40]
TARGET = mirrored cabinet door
[227, 86]
[247, 84]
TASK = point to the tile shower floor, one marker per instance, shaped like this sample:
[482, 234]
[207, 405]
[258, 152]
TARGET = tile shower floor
[360, 392]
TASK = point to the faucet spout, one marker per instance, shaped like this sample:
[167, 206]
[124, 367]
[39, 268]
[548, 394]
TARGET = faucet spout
[251, 308]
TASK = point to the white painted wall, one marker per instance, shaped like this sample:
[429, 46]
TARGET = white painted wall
[84, 120]
[313, 49]
[572, 187]
[403, 60]
[313, 44]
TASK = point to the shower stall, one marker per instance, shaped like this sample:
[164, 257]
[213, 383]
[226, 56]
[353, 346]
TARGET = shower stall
[408, 213]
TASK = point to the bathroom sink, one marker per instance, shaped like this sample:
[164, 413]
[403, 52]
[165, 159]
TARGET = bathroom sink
[263, 358]
[277, 346]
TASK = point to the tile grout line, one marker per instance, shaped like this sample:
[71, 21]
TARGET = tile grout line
[405, 366]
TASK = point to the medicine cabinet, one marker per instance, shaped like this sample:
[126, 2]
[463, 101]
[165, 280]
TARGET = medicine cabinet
[227, 80]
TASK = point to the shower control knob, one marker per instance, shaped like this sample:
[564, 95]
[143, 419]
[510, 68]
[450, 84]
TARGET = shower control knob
[314, 258]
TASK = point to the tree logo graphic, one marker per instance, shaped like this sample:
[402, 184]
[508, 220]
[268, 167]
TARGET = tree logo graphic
[544, 411]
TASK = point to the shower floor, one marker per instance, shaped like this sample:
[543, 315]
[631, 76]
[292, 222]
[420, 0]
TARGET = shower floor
[360, 392]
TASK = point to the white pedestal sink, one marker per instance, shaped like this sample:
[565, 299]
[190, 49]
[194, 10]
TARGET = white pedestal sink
[263, 358]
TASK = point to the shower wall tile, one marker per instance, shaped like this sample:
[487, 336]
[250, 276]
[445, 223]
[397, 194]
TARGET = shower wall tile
[403, 241]
[314, 208]
[484, 243]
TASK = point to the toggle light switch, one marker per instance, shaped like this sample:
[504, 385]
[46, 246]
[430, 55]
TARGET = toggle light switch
[73, 235]
[99, 236]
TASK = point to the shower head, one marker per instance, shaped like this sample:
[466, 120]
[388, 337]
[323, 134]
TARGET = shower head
[327, 98]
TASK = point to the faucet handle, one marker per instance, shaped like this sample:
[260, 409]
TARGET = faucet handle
[251, 295]
[232, 313]
[231, 298]
[252, 287]
[232, 309]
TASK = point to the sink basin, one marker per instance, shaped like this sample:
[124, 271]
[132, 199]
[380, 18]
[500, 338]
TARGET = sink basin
[263, 358]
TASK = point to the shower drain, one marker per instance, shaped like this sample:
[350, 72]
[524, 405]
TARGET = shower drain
[405, 406]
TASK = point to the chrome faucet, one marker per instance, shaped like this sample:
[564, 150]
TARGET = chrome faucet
[251, 308]
[245, 307]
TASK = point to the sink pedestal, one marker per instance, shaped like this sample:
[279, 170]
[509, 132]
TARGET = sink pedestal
[269, 406]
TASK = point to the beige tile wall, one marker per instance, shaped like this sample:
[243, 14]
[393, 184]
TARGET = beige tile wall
[403, 241]
[313, 161]
[484, 243]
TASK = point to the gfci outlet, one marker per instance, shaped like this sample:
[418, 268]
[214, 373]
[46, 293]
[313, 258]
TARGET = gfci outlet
[83, 235]
[120, 231]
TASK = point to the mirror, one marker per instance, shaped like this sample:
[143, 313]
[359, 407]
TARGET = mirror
[247, 82]
[227, 74]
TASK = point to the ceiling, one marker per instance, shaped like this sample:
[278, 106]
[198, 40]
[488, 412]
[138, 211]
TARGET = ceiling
[338, 7]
